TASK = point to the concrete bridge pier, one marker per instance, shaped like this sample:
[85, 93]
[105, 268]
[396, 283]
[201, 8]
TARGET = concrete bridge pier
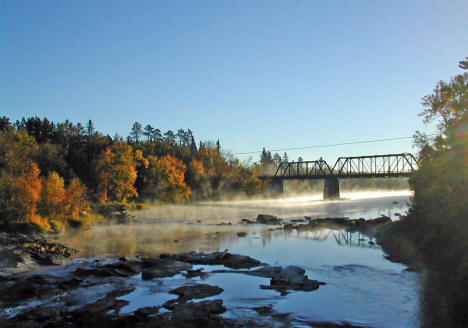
[331, 188]
[276, 185]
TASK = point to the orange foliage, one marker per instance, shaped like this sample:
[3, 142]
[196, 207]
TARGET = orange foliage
[24, 191]
[165, 179]
[213, 162]
[75, 198]
[199, 168]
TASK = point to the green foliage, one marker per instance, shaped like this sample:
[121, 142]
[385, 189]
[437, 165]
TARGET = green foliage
[434, 233]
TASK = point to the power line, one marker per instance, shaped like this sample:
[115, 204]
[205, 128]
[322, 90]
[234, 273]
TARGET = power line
[330, 145]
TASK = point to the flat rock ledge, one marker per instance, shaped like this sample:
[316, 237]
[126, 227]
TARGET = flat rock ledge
[225, 258]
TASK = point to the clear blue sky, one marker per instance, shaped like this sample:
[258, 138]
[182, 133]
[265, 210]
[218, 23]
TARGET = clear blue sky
[252, 73]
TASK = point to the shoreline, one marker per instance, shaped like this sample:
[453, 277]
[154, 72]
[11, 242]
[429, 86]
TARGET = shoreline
[90, 273]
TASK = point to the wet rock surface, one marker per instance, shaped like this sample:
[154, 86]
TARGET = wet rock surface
[59, 300]
[22, 252]
[196, 291]
[367, 226]
[283, 279]
[268, 219]
[225, 258]
[263, 219]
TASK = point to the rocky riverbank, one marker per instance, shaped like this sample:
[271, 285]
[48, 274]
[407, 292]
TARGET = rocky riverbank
[21, 252]
[39, 290]
[88, 293]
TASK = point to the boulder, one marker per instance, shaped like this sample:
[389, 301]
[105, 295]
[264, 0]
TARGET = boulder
[159, 268]
[196, 291]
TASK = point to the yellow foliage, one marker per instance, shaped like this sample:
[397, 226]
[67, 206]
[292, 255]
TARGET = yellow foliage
[116, 170]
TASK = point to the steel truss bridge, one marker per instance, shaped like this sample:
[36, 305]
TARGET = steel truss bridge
[374, 166]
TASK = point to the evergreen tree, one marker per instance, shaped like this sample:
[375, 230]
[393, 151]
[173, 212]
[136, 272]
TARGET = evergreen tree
[136, 133]
[90, 128]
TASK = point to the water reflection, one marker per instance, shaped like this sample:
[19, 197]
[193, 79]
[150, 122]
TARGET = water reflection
[362, 287]
[172, 229]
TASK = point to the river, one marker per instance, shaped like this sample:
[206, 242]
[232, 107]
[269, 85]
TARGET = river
[363, 288]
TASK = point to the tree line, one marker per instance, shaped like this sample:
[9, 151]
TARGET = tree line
[51, 173]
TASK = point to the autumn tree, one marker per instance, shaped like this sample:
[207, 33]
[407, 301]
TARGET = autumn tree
[117, 173]
[164, 179]
[20, 184]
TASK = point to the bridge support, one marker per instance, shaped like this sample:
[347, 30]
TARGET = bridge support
[276, 186]
[331, 188]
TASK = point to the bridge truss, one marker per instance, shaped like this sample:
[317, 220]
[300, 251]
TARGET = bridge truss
[374, 166]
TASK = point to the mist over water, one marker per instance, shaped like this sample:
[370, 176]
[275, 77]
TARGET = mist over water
[363, 288]
[176, 228]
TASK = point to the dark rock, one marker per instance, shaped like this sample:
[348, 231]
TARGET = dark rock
[282, 279]
[159, 268]
[267, 219]
[291, 278]
[247, 221]
[196, 291]
[234, 261]
[263, 310]
[22, 289]
[119, 269]
[380, 220]
[21, 252]
[195, 273]
[148, 310]
[241, 234]
[192, 311]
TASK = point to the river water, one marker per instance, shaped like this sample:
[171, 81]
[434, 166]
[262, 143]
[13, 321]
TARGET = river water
[363, 288]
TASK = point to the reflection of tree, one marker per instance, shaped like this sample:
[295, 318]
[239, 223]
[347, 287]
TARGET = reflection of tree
[355, 238]
[144, 239]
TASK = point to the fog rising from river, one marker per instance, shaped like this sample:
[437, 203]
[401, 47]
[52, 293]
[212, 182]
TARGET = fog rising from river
[363, 288]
